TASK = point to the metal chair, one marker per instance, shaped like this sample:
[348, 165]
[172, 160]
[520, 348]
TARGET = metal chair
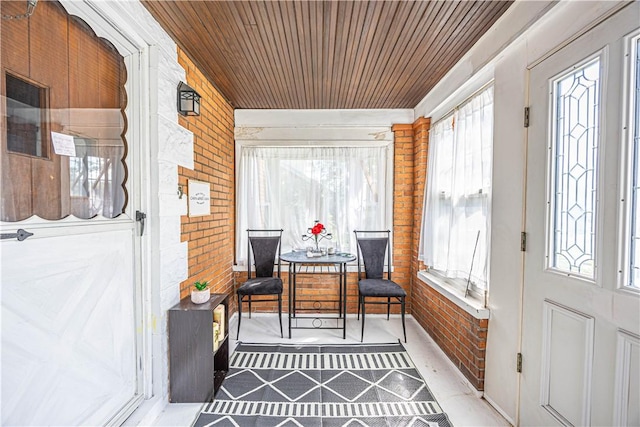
[373, 286]
[265, 246]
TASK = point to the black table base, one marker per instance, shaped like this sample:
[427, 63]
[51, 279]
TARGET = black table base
[326, 314]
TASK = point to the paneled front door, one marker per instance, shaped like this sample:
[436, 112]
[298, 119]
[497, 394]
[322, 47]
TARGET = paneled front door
[581, 315]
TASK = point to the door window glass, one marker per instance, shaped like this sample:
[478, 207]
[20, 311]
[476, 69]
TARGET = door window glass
[95, 177]
[634, 276]
[574, 145]
[74, 88]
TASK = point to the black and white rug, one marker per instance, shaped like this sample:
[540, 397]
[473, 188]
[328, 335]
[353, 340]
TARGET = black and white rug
[322, 385]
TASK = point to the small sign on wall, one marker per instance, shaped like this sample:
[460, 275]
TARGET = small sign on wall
[199, 198]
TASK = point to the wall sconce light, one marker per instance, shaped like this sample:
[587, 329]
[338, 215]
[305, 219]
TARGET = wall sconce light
[188, 100]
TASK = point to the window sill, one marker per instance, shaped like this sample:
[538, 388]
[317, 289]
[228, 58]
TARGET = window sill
[471, 305]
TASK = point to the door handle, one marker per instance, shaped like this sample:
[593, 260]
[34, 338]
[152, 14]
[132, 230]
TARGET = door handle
[140, 216]
[20, 235]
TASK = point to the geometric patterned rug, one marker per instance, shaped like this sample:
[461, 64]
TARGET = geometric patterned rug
[289, 385]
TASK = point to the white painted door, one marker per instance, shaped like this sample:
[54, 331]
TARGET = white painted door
[580, 352]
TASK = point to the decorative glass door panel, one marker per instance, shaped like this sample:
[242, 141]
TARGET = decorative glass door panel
[632, 279]
[574, 147]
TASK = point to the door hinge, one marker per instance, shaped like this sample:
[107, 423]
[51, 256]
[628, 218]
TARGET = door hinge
[526, 117]
[519, 363]
[523, 241]
[20, 235]
[140, 217]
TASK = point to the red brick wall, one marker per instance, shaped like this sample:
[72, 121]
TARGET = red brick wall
[420, 149]
[459, 335]
[462, 337]
[210, 237]
[311, 286]
[403, 209]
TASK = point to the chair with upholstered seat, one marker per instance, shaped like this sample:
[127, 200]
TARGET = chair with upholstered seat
[264, 245]
[372, 285]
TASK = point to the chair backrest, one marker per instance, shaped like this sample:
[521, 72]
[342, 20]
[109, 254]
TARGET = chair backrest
[265, 246]
[371, 253]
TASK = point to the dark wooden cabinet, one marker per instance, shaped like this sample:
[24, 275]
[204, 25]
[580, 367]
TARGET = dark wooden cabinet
[196, 371]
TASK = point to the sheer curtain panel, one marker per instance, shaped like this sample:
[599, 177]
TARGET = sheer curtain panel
[345, 188]
[458, 192]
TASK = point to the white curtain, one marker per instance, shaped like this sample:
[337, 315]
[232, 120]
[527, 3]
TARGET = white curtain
[345, 188]
[97, 175]
[458, 192]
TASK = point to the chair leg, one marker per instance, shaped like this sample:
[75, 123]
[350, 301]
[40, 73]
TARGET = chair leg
[280, 313]
[362, 333]
[404, 330]
[239, 315]
[388, 307]
[250, 307]
[359, 302]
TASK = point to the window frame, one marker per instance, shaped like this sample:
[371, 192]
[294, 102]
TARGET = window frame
[45, 117]
[626, 199]
[460, 284]
[389, 187]
[551, 172]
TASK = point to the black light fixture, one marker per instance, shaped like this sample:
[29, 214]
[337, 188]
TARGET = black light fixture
[188, 100]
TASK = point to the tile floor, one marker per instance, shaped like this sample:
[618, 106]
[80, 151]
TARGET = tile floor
[457, 398]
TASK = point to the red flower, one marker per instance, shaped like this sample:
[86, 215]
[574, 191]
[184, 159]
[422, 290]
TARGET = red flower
[317, 229]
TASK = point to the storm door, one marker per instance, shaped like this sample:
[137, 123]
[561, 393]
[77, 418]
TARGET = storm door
[70, 245]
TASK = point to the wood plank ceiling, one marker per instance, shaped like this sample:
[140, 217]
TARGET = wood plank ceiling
[325, 54]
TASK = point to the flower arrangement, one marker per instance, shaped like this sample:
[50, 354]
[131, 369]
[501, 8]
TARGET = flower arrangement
[317, 233]
[317, 229]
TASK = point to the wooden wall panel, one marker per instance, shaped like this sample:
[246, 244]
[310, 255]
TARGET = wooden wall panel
[14, 35]
[49, 57]
[16, 192]
[14, 39]
[84, 86]
[45, 188]
[48, 52]
[110, 80]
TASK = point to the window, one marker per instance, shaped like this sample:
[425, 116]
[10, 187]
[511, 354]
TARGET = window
[82, 95]
[26, 124]
[454, 238]
[574, 151]
[634, 213]
[96, 174]
[345, 188]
